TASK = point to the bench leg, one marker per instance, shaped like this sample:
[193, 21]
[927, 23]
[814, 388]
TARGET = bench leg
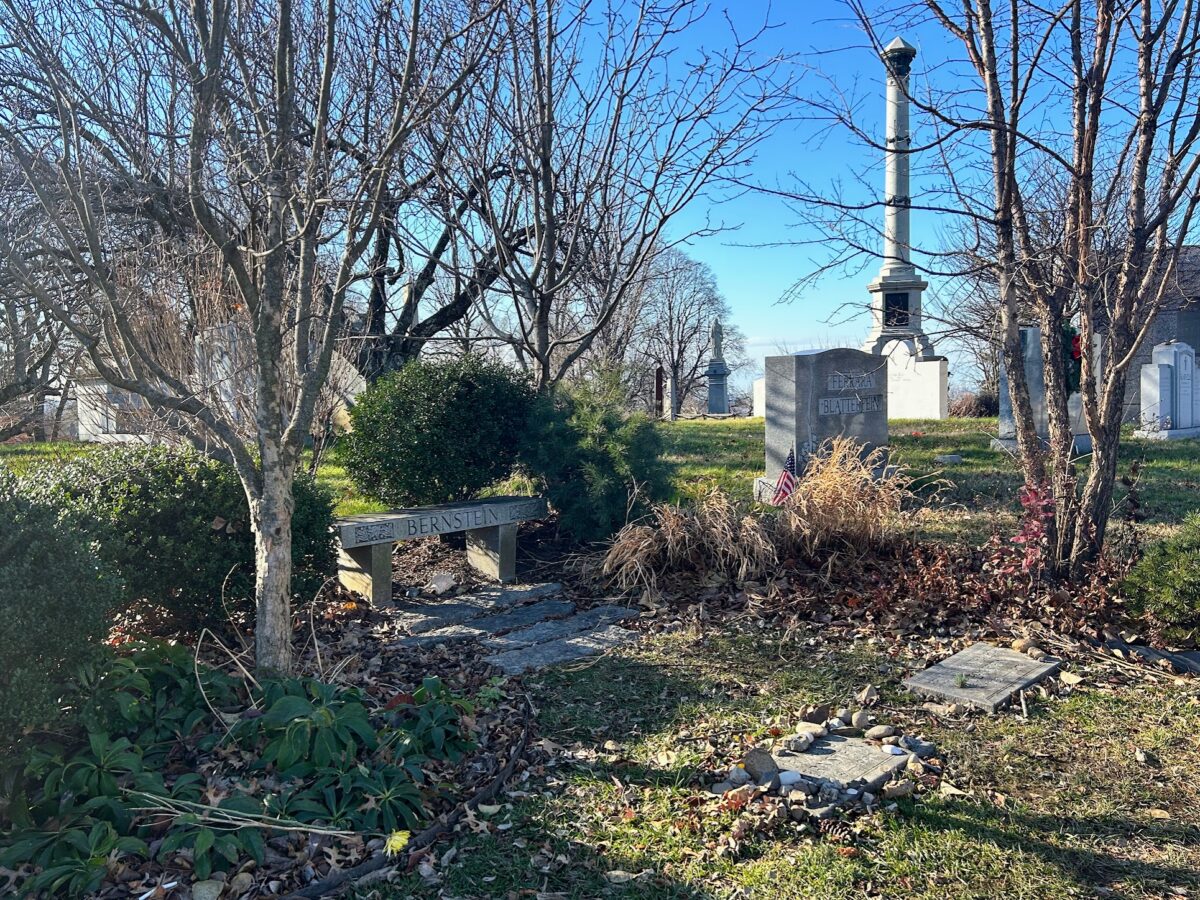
[493, 551]
[368, 571]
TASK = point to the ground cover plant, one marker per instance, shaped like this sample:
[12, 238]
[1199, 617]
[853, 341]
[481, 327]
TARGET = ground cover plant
[178, 771]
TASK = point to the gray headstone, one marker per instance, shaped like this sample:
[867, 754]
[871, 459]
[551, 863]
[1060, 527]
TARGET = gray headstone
[815, 396]
[492, 623]
[849, 761]
[982, 676]
[1035, 378]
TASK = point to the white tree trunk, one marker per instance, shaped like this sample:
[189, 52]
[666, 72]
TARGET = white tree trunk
[271, 517]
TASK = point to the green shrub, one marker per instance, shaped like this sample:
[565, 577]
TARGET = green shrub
[437, 432]
[1165, 584]
[595, 463]
[56, 599]
[176, 525]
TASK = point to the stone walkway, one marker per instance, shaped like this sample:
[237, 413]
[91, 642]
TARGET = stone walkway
[528, 627]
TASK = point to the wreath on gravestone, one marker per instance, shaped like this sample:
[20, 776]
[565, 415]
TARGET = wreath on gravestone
[1072, 344]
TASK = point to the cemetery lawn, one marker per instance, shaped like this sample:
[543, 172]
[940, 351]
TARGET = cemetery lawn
[1054, 805]
[966, 501]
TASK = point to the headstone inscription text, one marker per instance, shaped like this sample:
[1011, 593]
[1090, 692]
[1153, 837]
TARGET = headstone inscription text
[403, 525]
[850, 406]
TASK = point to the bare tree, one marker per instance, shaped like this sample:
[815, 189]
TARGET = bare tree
[1066, 137]
[238, 152]
[608, 141]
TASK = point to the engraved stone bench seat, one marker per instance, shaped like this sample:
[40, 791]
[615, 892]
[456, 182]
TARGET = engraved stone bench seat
[365, 555]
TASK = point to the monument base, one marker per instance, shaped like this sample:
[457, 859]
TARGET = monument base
[1167, 434]
[917, 388]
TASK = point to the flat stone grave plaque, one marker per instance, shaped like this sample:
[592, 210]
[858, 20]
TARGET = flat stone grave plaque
[982, 676]
[850, 761]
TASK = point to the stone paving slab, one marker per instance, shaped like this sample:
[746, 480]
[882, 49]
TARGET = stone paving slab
[551, 653]
[418, 618]
[848, 761]
[494, 623]
[982, 676]
[561, 628]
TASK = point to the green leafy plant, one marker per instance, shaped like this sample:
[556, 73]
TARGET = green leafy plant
[335, 760]
[55, 601]
[436, 432]
[176, 524]
[596, 463]
[1164, 586]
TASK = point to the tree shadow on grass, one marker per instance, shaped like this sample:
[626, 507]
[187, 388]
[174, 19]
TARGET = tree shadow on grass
[1090, 867]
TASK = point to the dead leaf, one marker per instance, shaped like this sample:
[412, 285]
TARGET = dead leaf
[1156, 813]
[1070, 678]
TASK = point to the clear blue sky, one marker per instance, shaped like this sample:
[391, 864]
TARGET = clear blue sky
[757, 279]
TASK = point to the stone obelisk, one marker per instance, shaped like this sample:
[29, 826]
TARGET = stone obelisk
[896, 292]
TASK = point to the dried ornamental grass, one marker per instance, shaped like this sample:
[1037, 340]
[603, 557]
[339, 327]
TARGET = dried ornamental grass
[714, 535]
[844, 496]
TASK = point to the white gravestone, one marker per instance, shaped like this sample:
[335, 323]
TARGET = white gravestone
[1169, 399]
[917, 388]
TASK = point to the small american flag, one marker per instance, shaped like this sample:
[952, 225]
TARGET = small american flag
[787, 480]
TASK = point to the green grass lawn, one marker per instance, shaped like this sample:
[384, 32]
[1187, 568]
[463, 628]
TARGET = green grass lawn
[1055, 806]
[971, 499]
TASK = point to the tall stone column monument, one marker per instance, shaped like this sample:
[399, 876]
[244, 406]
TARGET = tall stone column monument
[918, 378]
[718, 374]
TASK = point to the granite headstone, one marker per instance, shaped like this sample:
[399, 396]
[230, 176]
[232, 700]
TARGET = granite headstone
[817, 395]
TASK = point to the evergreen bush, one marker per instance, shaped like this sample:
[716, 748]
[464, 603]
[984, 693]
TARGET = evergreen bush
[1165, 584]
[437, 432]
[596, 463]
[56, 599]
[176, 525]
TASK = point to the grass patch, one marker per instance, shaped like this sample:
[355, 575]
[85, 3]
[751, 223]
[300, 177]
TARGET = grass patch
[1057, 808]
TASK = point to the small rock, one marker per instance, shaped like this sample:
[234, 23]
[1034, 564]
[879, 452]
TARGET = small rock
[738, 776]
[814, 728]
[827, 811]
[815, 714]
[207, 890]
[915, 765]
[868, 695]
[879, 732]
[760, 764]
[1036, 653]
[770, 783]
[868, 799]
[439, 584]
[798, 743]
[861, 719]
[827, 793]
[835, 723]
[796, 782]
[945, 709]
[893, 750]
[948, 459]
[1022, 644]
[721, 787]
[898, 789]
[848, 731]
[923, 749]
[894, 740]
[843, 714]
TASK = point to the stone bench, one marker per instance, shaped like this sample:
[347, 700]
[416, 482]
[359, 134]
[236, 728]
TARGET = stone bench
[365, 556]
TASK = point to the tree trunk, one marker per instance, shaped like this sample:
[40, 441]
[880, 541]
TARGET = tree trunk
[271, 517]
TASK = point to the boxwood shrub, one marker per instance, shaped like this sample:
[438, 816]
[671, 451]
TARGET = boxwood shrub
[176, 525]
[436, 432]
[56, 602]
